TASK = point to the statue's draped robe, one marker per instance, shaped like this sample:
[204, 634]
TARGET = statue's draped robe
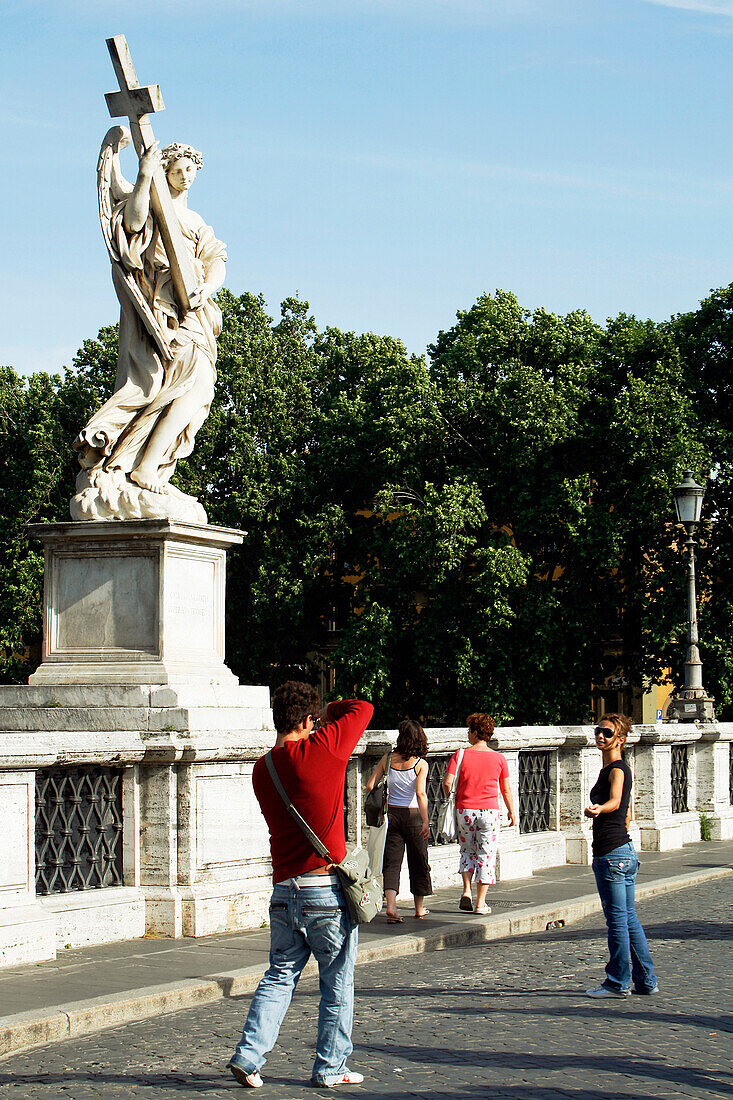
[146, 385]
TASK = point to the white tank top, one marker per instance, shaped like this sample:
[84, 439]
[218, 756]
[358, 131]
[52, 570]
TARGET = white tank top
[402, 787]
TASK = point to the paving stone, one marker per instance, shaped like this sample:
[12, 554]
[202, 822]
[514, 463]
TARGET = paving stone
[506, 1020]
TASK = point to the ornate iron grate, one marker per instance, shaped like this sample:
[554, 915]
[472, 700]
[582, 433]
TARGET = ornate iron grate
[534, 792]
[78, 829]
[679, 779]
[436, 798]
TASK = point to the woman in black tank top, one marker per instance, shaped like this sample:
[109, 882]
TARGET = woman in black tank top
[615, 865]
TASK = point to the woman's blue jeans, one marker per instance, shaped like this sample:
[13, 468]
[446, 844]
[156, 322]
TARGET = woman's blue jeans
[630, 958]
[305, 920]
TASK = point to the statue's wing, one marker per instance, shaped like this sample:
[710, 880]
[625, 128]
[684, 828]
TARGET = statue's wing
[113, 188]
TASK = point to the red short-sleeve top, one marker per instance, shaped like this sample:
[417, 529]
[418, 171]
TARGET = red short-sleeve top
[478, 782]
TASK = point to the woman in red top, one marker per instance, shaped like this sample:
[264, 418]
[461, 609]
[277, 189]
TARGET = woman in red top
[483, 773]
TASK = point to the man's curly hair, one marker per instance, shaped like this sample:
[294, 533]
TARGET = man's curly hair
[292, 702]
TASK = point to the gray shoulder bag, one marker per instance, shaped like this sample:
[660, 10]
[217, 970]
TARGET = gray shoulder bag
[361, 887]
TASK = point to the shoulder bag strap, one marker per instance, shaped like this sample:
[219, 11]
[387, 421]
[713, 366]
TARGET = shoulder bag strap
[319, 846]
[458, 770]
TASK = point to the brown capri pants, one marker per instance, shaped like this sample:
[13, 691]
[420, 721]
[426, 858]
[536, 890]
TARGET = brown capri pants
[404, 832]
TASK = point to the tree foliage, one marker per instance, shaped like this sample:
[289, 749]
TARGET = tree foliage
[489, 527]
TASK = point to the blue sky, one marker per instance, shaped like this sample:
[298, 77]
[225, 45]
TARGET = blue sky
[388, 160]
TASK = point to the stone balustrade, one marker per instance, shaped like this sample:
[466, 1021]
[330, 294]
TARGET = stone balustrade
[190, 846]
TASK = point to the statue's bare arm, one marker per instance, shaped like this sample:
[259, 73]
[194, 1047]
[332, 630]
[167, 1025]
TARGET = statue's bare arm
[215, 275]
[137, 206]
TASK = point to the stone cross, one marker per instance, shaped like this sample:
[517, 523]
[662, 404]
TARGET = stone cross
[137, 103]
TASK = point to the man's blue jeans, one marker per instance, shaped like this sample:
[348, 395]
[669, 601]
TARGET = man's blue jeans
[630, 959]
[305, 920]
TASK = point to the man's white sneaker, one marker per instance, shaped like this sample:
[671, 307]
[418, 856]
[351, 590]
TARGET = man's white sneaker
[247, 1080]
[333, 1080]
[603, 991]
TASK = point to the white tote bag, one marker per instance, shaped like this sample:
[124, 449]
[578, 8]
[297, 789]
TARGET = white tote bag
[447, 827]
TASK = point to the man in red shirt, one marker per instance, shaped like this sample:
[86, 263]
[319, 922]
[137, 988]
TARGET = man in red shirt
[308, 912]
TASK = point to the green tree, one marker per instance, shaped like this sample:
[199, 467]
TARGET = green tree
[573, 435]
[39, 417]
[705, 339]
[491, 529]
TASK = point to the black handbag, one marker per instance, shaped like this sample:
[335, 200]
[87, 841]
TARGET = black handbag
[375, 803]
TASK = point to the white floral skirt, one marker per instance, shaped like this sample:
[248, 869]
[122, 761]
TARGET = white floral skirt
[478, 833]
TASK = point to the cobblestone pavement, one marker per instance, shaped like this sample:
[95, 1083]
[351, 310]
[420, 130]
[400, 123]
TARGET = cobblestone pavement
[503, 1021]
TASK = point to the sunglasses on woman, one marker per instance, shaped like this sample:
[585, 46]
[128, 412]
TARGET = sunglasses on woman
[604, 731]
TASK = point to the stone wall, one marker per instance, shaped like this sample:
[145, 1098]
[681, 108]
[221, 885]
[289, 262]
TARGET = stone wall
[194, 852]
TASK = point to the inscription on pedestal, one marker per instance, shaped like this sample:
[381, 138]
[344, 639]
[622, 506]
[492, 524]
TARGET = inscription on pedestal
[190, 604]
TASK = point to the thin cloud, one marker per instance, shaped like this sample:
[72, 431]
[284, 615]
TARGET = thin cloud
[661, 187]
[723, 8]
[479, 11]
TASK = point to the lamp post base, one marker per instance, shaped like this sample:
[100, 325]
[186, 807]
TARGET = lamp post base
[691, 705]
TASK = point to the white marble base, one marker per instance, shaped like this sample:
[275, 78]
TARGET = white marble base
[27, 935]
[209, 908]
[670, 833]
[518, 857]
[521, 856]
[85, 918]
[722, 825]
[578, 847]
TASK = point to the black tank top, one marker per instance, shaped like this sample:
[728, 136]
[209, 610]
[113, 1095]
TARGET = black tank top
[609, 830]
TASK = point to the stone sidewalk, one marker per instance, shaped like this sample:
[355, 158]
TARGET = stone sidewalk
[87, 990]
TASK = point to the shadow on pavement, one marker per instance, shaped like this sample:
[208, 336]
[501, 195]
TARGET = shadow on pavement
[605, 1068]
[198, 1084]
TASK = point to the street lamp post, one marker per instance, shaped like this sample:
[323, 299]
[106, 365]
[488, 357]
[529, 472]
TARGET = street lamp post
[692, 704]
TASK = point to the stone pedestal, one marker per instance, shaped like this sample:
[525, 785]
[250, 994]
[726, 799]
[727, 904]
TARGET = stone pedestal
[661, 830]
[27, 933]
[134, 602]
[714, 787]
[133, 677]
[575, 781]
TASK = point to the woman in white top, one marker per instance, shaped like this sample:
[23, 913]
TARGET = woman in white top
[407, 809]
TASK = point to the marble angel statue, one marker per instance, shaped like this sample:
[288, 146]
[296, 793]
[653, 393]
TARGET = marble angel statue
[166, 365]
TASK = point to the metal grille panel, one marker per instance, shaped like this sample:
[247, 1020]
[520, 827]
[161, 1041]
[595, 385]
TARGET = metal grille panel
[78, 829]
[679, 779]
[436, 798]
[534, 792]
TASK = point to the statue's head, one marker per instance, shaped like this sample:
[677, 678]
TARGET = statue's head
[178, 149]
[181, 162]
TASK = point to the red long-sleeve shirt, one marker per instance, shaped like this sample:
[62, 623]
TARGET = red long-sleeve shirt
[312, 771]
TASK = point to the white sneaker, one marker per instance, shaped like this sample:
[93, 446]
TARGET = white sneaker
[333, 1080]
[247, 1080]
[603, 991]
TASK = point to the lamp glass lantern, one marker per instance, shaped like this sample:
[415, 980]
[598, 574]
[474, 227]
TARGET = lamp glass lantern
[688, 500]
